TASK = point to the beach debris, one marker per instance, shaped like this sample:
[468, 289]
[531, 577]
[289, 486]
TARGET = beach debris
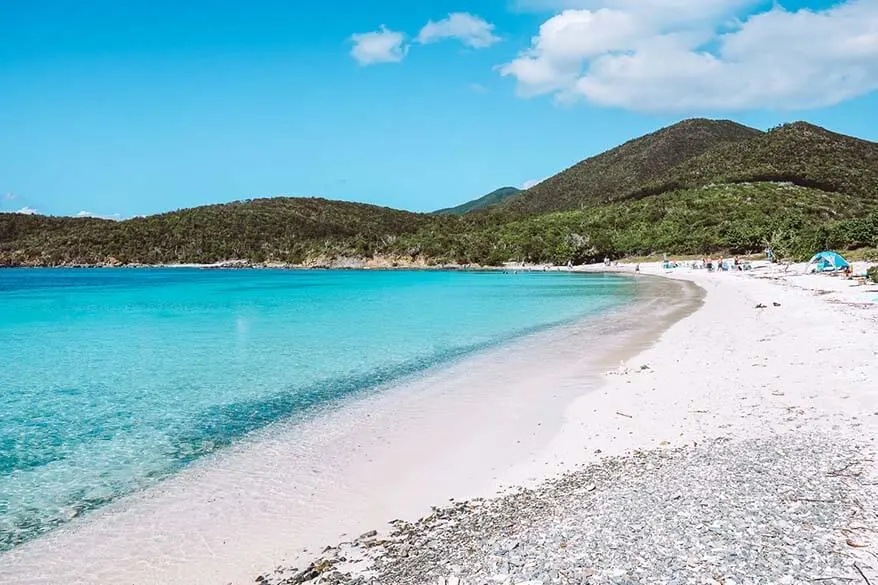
[842, 471]
[623, 370]
[776, 304]
[620, 413]
[761, 306]
[862, 574]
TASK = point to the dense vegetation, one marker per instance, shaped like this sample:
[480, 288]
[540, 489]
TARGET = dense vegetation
[279, 229]
[731, 219]
[623, 169]
[698, 187]
[872, 273]
[799, 153]
[489, 200]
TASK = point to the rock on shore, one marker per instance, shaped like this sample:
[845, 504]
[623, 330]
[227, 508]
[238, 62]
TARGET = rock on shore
[786, 509]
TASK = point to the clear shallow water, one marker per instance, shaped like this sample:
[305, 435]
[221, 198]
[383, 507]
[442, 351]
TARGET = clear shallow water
[112, 379]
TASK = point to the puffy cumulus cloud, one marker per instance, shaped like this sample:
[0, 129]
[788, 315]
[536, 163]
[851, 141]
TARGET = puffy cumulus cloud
[565, 42]
[625, 54]
[381, 46]
[472, 31]
[388, 46]
[27, 211]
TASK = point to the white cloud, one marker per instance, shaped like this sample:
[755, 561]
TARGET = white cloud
[470, 30]
[662, 9]
[531, 183]
[478, 88]
[691, 56]
[27, 211]
[381, 46]
[9, 196]
[554, 61]
[114, 216]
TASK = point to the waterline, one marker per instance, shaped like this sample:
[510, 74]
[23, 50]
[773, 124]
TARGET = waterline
[117, 379]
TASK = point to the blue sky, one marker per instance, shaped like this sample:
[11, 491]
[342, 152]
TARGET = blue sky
[126, 108]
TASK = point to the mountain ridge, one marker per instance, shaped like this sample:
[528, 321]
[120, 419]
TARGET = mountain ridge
[800, 153]
[605, 175]
[696, 187]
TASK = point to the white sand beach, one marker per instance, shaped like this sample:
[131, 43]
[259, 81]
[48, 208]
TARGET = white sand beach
[732, 369]
[807, 362]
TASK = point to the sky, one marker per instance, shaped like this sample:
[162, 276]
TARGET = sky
[119, 109]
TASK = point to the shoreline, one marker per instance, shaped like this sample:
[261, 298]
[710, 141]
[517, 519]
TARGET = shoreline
[744, 452]
[373, 264]
[209, 510]
[720, 384]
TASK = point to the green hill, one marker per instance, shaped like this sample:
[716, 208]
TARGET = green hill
[698, 187]
[627, 167]
[718, 219]
[489, 200]
[799, 153]
[278, 229]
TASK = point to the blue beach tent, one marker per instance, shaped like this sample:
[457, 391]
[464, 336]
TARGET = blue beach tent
[828, 262]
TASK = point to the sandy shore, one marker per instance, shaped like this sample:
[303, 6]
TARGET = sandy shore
[740, 448]
[733, 369]
[459, 431]
[727, 370]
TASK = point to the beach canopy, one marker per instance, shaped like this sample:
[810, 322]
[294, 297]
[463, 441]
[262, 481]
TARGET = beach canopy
[829, 262]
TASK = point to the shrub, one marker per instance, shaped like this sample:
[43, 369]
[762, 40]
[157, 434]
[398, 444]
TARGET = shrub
[872, 273]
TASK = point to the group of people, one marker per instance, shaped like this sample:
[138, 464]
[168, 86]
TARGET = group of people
[711, 264]
[722, 264]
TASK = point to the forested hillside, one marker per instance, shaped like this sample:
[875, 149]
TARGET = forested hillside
[626, 167]
[799, 153]
[282, 229]
[697, 187]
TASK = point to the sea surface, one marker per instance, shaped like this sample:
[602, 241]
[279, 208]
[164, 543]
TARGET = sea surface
[112, 379]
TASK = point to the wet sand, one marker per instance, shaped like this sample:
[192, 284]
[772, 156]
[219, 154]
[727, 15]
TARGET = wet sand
[494, 420]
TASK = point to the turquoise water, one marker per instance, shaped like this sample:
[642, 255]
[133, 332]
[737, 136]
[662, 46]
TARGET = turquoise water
[113, 379]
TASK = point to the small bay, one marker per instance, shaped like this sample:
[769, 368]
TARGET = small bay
[112, 379]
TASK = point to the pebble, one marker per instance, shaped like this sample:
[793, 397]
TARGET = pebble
[734, 512]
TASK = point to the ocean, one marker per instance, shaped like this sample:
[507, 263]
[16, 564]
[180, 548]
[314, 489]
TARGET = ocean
[113, 379]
